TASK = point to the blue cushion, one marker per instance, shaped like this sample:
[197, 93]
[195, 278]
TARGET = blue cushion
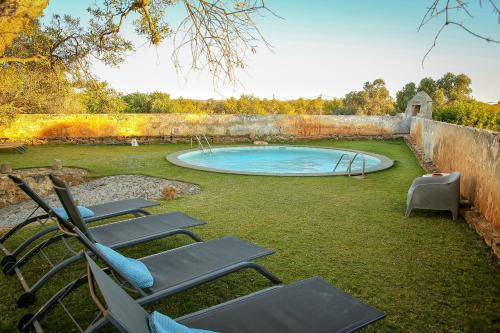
[159, 323]
[132, 269]
[84, 212]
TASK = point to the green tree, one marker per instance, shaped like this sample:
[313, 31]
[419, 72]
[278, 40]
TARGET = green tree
[428, 85]
[332, 105]
[34, 87]
[374, 99]
[439, 100]
[98, 97]
[161, 102]
[404, 95]
[219, 35]
[456, 88]
[449, 88]
[470, 113]
[138, 103]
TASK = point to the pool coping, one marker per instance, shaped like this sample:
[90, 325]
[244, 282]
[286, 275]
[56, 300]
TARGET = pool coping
[385, 162]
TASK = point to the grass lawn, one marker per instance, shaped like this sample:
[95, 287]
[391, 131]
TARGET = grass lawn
[427, 273]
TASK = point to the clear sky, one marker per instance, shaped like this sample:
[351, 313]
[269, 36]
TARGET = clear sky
[323, 47]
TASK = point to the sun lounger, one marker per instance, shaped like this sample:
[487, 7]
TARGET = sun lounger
[115, 235]
[17, 146]
[174, 270]
[307, 306]
[102, 211]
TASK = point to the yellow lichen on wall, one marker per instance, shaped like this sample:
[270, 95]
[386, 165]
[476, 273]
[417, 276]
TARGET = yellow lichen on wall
[33, 126]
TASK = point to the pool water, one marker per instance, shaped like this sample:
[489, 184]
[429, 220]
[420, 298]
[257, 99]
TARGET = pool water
[279, 160]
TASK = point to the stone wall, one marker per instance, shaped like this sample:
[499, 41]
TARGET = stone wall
[121, 127]
[475, 154]
[38, 179]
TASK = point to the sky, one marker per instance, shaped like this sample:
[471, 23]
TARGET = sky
[321, 47]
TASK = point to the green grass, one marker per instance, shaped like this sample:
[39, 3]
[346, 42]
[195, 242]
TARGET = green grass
[427, 273]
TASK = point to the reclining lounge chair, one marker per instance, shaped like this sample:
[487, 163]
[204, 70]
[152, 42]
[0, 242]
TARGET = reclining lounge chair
[20, 147]
[114, 235]
[174, 270]
[307, 306]
[102, 211]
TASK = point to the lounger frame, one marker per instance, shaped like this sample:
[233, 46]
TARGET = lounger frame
[29, 296]
[10, 256]
[146, 296]
[326, 309]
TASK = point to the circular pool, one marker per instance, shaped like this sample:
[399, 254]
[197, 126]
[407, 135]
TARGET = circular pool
[280, 160]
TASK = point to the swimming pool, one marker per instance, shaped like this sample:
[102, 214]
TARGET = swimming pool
[280, 160]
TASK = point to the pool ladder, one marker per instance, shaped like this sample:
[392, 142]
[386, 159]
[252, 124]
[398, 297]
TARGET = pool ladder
[200, 144]
[351, 161]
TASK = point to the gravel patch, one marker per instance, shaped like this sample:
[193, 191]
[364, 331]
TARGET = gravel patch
[102, 190]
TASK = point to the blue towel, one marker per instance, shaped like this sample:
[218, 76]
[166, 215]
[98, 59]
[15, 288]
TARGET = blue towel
[84, 212]
[132, 269]
[159, 323]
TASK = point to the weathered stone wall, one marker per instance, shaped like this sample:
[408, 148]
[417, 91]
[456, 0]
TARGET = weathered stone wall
[476, 154]
[38, 179]
[48, 128]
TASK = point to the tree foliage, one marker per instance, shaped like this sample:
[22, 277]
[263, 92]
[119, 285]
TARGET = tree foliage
[470, 113]
[15, 17]
[35, 89]
[452, 101]
[158, 102]
[98, 97]
[451, 13]
[217, 33]
[448, 89]
[374, 99]
[405, 95]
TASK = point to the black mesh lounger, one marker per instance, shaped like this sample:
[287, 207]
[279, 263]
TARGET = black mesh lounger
[115, 235]
[307, 306]
[174, 270]
[102, 211]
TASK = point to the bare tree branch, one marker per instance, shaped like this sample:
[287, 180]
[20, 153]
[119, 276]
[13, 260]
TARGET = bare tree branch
[219, 34]
[443, 8]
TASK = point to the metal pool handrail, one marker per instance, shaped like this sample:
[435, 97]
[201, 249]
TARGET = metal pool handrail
[208, 143]
[349, 168]
[338, 162]
[200, 144]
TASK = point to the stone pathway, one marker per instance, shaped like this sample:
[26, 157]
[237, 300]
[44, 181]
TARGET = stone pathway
[101, 190]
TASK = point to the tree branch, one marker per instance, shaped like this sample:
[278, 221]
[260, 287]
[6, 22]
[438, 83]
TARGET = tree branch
[436, 11]
[35, 58]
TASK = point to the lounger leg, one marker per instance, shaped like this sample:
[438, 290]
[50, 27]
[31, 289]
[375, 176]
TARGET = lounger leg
[190, 234]
[206, 278]
[32, 252]
[140, 212]
[454, 214]
[33, 238]
[144, 212]
[97, 326]
[55, 299]
[53, 271]
[270, 276]
[12, 231]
